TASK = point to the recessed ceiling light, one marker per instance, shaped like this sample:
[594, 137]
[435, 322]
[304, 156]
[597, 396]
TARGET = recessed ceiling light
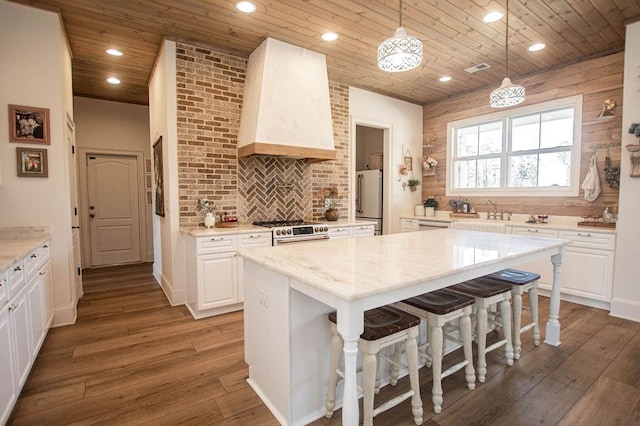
[113, 80]
[114, 52]
[536, 47]
[445, 78]
[330, 36]
[246, 6]
[492, 17]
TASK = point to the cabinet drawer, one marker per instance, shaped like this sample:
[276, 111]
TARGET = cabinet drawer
[261, 239]
[534, 232]
[16, 278]
[363, 230]
[31, 264]
[589, 239]
[4, 292]
[44, 253]
[224, 243]
[337, 233]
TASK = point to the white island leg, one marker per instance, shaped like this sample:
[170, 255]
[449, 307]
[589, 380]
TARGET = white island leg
[350, 326]
[552, 336]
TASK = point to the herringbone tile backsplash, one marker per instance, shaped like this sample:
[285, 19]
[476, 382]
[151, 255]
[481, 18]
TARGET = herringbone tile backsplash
[273, 188]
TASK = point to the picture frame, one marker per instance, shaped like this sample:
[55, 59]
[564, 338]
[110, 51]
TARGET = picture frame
[408, 163]
[32, 162]
[29, 124]
[158, 176]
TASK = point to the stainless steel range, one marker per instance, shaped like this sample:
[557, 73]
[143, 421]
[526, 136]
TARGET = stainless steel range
[295, 231]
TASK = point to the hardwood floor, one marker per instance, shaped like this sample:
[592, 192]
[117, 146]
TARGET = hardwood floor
[133, 359]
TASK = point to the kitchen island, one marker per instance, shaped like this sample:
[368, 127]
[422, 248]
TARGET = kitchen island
[289, 291]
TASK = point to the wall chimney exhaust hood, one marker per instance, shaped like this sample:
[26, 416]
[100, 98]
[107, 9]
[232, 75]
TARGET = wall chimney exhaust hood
[286, 109]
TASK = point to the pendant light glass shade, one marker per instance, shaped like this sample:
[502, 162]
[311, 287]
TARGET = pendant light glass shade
[400, 52]
[508, 94]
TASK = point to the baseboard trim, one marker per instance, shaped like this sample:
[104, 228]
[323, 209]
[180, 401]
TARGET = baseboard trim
[65, 316]
[175, 297]
[625, 309]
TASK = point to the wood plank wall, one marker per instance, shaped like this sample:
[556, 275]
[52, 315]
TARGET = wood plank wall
[596, 79]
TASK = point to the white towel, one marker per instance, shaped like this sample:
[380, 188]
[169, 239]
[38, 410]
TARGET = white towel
[591, 183]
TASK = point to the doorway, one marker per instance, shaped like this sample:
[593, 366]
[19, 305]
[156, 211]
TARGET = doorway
[370, 150]
[112, 212]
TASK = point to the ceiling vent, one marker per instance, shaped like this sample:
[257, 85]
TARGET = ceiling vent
[476, 68]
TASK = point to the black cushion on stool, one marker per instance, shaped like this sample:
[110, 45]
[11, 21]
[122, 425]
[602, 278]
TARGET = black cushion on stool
[514, 276]
[440, 302]
[383, 321]
[482, 287]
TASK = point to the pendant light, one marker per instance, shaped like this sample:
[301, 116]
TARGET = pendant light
[507, 94]
[400, 52]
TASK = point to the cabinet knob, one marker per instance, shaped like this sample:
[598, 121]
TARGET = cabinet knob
[18, 268]
[34, 255]
[583, 235]
[532, 230]
[47, 245]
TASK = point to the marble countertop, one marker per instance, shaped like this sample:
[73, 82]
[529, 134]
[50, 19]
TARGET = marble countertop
[520, 220]
[250, 229]
[17, 242]
[207, 232]
[361, 267]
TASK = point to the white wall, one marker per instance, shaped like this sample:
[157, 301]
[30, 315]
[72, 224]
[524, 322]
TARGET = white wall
[41, 79]
[404, 120]
[116, 127]
[168, 266]
[626, 288]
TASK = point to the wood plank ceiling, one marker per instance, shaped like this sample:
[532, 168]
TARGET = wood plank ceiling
[453, 32]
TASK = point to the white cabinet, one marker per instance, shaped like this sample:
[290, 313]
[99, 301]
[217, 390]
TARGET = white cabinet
[19, 322]
[409, 225]
[588, 265]
[8, 388]
[544, 267]
[217, 283]
[363, 231]
[26, 312]
[215, 274]
[339, 233]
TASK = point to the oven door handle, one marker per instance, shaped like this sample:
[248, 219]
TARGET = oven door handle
[302, 240]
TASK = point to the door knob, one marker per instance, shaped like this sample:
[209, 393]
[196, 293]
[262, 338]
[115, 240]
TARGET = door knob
[92, 215]
[91, 207]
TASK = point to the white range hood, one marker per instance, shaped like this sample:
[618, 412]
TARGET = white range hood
[286, 109]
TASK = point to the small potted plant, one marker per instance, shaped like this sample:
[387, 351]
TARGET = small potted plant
[332, 199]
[413, 183]
[209, 207]
[430, 206]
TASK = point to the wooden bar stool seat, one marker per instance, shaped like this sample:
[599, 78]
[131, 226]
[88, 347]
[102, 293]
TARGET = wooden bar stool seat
[439, 308]
[521, 282]
[383, 327]
[487, 292]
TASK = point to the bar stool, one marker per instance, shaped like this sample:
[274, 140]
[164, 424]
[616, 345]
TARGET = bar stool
[521, 282]
[439, 308]
[383, 327]
[487, 292]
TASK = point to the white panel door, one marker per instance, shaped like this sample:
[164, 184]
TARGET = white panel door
[114, 220]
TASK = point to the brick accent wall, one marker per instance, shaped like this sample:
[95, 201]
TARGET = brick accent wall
[209, 89]
[330, 174]
[209, 92]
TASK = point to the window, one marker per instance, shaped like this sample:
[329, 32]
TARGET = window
[533, 150]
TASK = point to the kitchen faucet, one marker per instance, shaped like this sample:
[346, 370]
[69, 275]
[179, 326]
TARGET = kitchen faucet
[493, 215]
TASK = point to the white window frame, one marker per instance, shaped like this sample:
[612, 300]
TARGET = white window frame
[567, 191]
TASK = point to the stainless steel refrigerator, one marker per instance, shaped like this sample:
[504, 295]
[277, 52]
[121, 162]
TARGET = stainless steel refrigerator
[369, 197]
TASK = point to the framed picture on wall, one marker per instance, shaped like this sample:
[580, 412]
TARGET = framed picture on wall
[28, 124]
[159, 176]
[32, 162]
